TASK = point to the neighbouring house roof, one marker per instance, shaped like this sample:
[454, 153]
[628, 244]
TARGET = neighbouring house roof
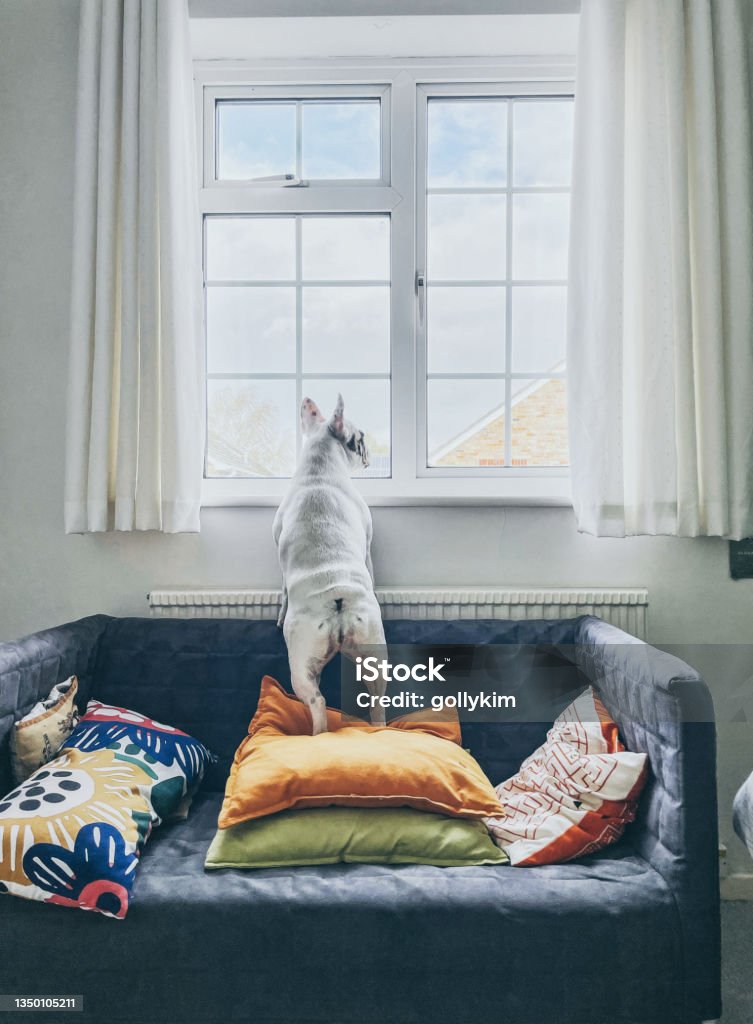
[475, 431]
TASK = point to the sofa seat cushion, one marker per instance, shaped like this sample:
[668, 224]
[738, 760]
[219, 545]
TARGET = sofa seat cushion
[405, 944]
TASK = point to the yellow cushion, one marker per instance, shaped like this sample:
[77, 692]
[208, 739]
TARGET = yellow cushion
[412, 762]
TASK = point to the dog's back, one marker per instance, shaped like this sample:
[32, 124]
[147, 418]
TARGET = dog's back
[323, 542]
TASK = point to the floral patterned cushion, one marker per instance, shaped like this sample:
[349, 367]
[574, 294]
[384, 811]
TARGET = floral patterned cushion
[72, 833]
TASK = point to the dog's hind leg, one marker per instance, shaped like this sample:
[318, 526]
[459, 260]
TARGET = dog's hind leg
[283, 608]
[309, 650]
[304, 676]
[364, 637]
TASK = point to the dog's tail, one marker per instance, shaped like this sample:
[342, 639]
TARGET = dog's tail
[341, 594]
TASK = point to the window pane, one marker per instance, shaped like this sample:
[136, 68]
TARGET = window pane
[466, 238]
[539, 237]
[467, 143]
[346, 248]
[538, 329]
[367, 406]
[539, 423]
[251, 330]
[341, 140]
[255, 139]
[466, 329]
[542, 142]
[346, 330]
[466, 422]
[250, 428]
[250, 248]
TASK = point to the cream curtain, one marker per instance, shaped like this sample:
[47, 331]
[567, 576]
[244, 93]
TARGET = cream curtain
[660, 348]
[135, 434]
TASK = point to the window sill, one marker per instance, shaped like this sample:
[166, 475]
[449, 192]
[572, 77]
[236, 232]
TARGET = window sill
[522, 490]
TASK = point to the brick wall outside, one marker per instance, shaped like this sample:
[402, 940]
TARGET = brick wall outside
[539, 438]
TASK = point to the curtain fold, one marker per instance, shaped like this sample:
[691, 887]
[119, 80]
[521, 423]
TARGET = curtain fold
[660, 303]
[134, 445]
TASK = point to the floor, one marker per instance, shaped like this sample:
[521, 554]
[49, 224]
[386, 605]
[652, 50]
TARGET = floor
[737, 962]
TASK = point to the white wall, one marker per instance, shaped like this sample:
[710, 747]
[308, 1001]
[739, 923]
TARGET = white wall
[46, 577]
[403, 35]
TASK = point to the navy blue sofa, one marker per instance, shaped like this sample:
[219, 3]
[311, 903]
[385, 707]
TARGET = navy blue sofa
[626, 936]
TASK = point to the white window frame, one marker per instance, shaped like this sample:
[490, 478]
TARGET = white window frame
[403, 86]
[213, 94]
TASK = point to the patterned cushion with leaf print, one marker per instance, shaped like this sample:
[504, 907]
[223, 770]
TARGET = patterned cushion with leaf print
[174, 761]
[72, 833]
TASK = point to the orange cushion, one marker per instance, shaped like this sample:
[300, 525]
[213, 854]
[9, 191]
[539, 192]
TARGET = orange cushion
[412, 762]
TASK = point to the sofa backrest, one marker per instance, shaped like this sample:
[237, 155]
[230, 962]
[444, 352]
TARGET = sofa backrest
[203, 676]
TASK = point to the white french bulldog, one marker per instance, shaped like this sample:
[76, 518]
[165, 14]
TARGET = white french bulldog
[323, 533]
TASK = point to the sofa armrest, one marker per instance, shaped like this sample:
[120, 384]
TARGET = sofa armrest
[30, 667]
[663, 708]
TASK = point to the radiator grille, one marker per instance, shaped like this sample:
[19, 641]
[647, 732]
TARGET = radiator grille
[623, 607]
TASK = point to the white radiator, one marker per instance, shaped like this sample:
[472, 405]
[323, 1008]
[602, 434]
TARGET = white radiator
[623, 607]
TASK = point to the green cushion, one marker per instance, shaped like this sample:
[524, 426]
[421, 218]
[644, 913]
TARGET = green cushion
[328, 835]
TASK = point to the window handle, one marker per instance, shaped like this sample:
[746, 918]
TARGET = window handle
[283, 180]
[421, 295]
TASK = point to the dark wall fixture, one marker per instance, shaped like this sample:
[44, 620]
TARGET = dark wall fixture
[741, 559]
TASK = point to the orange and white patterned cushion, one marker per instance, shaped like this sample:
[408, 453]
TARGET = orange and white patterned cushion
[572, 796]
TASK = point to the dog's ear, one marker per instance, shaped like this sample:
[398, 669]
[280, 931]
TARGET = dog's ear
[337, 422]
[311, 415]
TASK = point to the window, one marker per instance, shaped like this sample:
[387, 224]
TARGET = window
[294, 304]
[402, 240]
[495, 200]
[319, 139]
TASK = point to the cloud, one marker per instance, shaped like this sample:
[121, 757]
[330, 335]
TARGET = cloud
[250, 330]
[466, 329]
[346, 248]
[250, 248]
[467, 143]
[542, 142]
[346, 330]
[466, 237]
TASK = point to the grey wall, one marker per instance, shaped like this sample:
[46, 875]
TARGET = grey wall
[46, 577]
